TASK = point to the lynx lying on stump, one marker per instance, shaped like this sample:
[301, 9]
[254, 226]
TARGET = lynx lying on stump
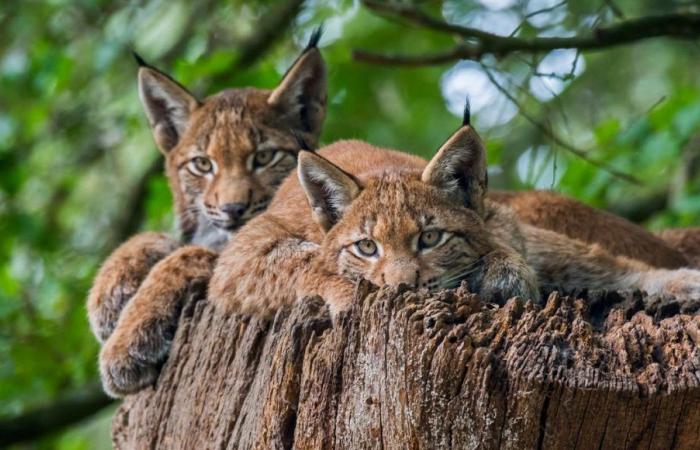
[356, 211]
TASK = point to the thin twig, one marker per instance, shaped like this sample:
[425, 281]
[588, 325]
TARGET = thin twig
[556, 139]
[617, 12]
[536, 13]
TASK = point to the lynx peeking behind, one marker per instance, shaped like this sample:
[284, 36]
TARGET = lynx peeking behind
[225, 157]
[358, 211]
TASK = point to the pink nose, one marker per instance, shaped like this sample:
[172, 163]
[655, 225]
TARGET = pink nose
[398, 275]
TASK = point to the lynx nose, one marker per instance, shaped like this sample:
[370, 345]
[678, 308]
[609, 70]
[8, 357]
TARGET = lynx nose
[234, 210]
[400, 272]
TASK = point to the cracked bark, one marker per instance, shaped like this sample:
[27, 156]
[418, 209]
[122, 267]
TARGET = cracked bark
[411, 370]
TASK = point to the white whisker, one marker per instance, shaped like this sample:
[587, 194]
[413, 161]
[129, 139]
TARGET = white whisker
[452, 278]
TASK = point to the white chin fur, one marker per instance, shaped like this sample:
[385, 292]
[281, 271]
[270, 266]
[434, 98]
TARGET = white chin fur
[207, 235]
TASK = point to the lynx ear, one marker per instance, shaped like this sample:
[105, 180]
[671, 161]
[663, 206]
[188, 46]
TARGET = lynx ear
[459, 167]
[301, 95]
[167, 103]
[329, 189]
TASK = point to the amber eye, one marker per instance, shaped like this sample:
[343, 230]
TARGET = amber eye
[430, 238]
[201, 165]
[263, 158]
[366, 247]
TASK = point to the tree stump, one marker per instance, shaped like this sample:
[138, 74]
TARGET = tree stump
[413, 370]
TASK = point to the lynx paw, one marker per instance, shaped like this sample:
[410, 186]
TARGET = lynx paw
[683, 284]
[120, 276]
[504, 280]
[336, 291]
[130, 360]
[339, 303]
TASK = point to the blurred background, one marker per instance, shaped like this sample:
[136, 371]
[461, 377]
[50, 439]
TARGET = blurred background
[617, 127]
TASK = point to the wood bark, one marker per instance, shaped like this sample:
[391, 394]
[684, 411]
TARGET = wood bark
[413, 370]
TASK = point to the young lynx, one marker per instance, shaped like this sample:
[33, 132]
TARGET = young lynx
[358, 211]
[671, 249]
[225, 157]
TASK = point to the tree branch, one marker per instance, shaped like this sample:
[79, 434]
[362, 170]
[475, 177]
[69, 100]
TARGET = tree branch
[67, 409]
[455, 54]
[679, 26]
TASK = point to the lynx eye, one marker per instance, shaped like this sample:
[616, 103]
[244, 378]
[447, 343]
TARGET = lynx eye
[200, 165]
[429, 239]
[263, 158]
[366, 247]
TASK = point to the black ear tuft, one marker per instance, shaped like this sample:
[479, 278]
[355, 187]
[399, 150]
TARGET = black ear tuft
[315, 37]
[139, 60]
[466, 118]
[302, 142]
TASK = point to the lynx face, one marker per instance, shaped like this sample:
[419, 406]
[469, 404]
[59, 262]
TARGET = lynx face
[425, 230]
[401, 230]
[229, 163]
[226, 155]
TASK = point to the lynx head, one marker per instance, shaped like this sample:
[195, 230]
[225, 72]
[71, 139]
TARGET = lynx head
[423, 229]
[226, 154]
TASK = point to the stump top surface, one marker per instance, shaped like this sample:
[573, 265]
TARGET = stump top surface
[409, 369]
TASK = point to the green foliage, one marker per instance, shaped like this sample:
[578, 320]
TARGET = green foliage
[74, 144]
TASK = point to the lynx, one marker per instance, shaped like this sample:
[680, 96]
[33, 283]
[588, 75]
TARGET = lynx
[358, 211]
[670, 249]
[225, 157]
[130, 359]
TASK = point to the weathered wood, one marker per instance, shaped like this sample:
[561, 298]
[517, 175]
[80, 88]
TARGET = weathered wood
[411, 370]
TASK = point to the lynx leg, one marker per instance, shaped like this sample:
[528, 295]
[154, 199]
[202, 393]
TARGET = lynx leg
[568, 264]
[141, 340]
[120, 276]
[266, 266]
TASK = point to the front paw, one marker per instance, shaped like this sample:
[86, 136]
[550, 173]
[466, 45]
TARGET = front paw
[338, 292]
[503, 281]
[682, 284]
[120, 277]
[131, 359]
